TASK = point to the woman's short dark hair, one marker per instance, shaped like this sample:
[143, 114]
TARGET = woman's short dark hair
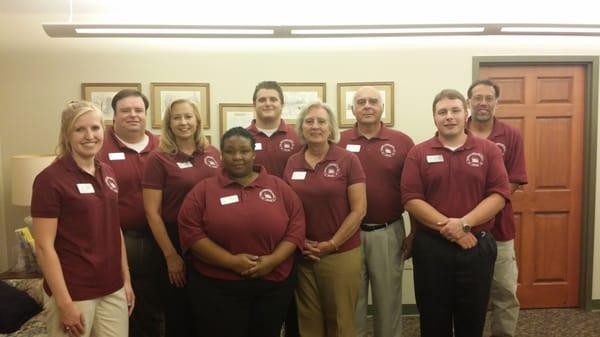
[238, 131]
[268, 85]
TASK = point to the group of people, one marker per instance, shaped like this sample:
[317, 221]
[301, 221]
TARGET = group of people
[143, 235]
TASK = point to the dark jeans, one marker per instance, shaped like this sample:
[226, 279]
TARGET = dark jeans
[147, 319]
[452, 285]
[178, 313]
[291, 319]
[244, 308]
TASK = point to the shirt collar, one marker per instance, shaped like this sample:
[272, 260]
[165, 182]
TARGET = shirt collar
[383, 132]
[260, 181]
[469, 143]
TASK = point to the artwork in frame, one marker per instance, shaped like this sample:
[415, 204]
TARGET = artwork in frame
[345, 94]
[235, 114]
[162, 94]
[297, 95]
[102, 94]
[208, 139]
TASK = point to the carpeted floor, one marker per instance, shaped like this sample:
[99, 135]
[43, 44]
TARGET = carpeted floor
[538, 323]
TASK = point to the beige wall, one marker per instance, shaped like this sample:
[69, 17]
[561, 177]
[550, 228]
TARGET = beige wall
[37, 82]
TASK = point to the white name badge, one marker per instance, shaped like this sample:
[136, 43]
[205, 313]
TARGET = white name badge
[232, 199]
[353, 147]
[116, 156]
[85, 188]
[184, 165]
[435, 158]
[298, 175]
[258, 147]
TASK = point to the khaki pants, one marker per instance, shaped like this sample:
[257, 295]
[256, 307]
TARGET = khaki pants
[503, 294]
[382, 264]
[327, 293]
[104, 316]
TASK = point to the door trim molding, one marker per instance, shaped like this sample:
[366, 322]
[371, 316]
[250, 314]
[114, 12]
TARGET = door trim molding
[590, 137]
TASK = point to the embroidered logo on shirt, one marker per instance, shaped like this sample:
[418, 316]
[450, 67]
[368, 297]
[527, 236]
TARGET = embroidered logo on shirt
[267, 195]
[286, 145]
[502, 147]
[387, 150]
[112, 184]
[210, 161]
[475, 159]
[331, 170]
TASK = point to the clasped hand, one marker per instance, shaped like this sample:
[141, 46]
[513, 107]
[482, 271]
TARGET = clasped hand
[452, 230]
[252, 266]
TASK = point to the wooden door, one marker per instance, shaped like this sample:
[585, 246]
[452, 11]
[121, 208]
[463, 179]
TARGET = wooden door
[546, 103]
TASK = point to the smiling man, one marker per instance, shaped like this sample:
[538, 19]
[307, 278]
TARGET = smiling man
[483, 97]
[453, 185]
[126, 146]
[382, 152]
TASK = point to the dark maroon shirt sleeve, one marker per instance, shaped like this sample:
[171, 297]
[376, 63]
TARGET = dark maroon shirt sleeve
[296, 231]
[154, 173]
[497, 178]
[411, 184]
[45, 199]
[357, 174]
[190, 217]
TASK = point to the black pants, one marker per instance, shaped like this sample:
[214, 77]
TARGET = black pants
[452, 285]
[147, 319]
[244, 308]
[178, 313]
[291, 319]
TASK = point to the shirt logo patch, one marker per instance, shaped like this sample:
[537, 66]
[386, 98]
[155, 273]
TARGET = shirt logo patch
[267, 195]
[210, 161]
[112, 184]
[332, 170]
[286, 145]
[475, 159]
[387, 150]
[502, 147]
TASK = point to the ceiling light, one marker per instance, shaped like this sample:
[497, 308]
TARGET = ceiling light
[388, 31]
[552, 30]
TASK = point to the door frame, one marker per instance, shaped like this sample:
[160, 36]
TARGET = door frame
[590, 137]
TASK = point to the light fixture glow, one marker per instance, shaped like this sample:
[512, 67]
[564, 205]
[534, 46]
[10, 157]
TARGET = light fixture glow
[383, 31]
[172, 31]
[554, 30]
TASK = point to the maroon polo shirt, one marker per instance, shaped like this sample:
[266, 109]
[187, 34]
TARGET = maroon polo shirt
[324, 192]
[251, 219]
[509, 140]
[382, 157]
[454, 182]
[88, 233]
[176, 174]
[128, 165]
[273, 152]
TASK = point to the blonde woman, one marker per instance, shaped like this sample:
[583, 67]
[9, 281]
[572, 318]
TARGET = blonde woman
[182, 159]
[79, 245]
[331, 184]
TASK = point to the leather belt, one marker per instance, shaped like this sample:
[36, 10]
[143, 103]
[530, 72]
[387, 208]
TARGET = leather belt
[367, 228]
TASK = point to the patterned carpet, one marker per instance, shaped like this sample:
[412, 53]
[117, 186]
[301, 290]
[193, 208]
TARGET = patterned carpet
[538, 323]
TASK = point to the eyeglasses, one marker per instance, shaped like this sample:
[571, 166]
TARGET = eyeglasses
[363, 101]
[487, 99]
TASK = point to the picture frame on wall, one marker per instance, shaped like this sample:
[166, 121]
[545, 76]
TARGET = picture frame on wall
[235, 114]
[208, 139]
[297, 95]
[101, 94]
[162, 94]
[345, 94]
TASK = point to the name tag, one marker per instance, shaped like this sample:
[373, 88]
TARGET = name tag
[258, 147]
[116, 156]
[298, 175]
[85, 188]
[232, 199]
[435, 158]
[184, 165]
[353, 147]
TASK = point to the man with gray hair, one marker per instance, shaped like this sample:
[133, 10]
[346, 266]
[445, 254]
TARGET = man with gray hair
[382, 152]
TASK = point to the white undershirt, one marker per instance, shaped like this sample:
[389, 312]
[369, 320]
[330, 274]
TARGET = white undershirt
[137, 147]
[452, 148]
[268, 132]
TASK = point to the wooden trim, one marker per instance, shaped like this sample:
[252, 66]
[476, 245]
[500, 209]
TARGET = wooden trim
[595, 305]
[590, 137]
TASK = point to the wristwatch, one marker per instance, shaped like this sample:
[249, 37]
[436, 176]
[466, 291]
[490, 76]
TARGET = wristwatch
[465, 226]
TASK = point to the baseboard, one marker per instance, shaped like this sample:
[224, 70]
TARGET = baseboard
[595, 305]
[407, 310]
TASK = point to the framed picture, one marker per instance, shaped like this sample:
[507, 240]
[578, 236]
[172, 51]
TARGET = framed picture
[346, 91]
[297, 95]
[102, 94]
[235, 114]
[162, 94]
[208, 139]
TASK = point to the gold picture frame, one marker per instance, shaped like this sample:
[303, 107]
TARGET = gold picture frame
[102, 94]
[345, 94]
[235, 114]
[163, 93]
[297, 95]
